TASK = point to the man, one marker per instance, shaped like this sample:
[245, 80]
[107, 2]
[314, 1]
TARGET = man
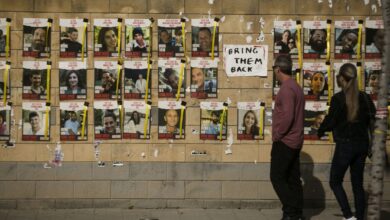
[214, 125]
[109, 123]
[318, 40]
[72, 44]
[287, 137]
[348, 41]
[378, 42]
[138, 43]
[140, 84]
[204, 39]
[171, 118]
[39, 40]
[35, 124]
[72, 125]
[35, 80]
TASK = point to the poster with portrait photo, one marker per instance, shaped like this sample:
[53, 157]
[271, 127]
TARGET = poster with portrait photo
[285, 38]
[315, 81]
[375, 39]
[336, 69]
[136, 72]
[3, 65]
[107, 83]
[346, 39]
[170, 41]
[202, 37]
[210, 121]
[34, 121]
[36, 37]
[106, 36]
[372, 72]
[71, 38]
[73, 80]
[71, 121]
[134, 120]
[276, 84]
[138, 37]
[5, 121]
[314, 115]
[3, 36]
[204, 78]
[107, 120]
[248, 121]
[169, 115]
[34, 80]
[314, 37]
[168, 78]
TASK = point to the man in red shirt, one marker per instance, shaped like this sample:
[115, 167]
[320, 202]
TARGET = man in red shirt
[287, 137]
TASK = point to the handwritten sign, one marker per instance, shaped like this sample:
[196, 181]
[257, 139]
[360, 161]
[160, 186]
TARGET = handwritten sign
[245, 60]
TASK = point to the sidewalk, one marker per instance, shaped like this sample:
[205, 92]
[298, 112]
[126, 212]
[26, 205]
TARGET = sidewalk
[166, 214]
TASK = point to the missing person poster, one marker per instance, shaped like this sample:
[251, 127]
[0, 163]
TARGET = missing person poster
[7, 83]
[170, 41]
[34, 80]
[202, 37]
[136, 120]
[245, 60]
[249, 118]
[314, 37]
[138, 37]
[36, 121]
[72, 32]
[346, 39]
[36, 37]
[285, 38]
[107, 120]
[71, 121]
[5, 121]
[106, 37]
[315, 81]
[4, 22]
[169, 118]
[211, 114]
[276, 84]
[314, 115]
[372, 72]
[375, 39]
[169, 71]
[73, 80]
[136, 82]
[204, 78]
[108, 80]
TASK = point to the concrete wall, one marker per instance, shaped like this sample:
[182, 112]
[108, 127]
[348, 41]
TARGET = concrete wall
[174, 178]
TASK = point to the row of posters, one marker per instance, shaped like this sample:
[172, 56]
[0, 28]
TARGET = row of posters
[316, 39]
[107, 39]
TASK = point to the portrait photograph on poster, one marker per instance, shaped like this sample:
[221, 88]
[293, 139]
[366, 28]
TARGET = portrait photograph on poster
[285, 38]
[106, 37]
[71, 121]
[34, 80]
[108, 81]
[168, 78]
[202, 37]
[375, 39]
[36, 37]
[5, 121]
[3, 36]
[249, 118]
[138, 37]
[169, 118]
[107, 120]
[204, 78]
[136, 120]
[346, 39]
[315, 113]
[210, 121]
[136, 79]
[314, 37]
[372, 72]
[3, 71]
[72, 32]
[34, 121]
[315, 81]
[170, 40]
[73, 80]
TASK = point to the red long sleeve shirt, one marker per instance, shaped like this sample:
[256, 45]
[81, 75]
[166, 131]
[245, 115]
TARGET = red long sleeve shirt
[288, 115]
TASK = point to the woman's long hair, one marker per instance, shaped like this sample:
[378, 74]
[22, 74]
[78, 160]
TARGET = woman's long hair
[350, 87]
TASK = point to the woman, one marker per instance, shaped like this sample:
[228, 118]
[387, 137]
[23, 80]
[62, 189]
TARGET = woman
[74, 84]
[250, 122]
[348, 119]
[108, 39]
[283, 43]
[134, 122]
[197, 79]
[373, 82]
[317, 83]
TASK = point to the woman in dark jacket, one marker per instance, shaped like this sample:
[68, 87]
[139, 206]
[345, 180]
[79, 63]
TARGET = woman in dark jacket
[349, 116]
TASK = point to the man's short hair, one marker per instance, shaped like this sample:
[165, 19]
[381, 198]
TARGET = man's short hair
[71, 30]
[137, 30]
[205, 29]
[34, 72]
[32, 115]
[109, 114]
[284, 63]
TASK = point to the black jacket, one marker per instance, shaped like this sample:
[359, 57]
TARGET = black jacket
[336, 120]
